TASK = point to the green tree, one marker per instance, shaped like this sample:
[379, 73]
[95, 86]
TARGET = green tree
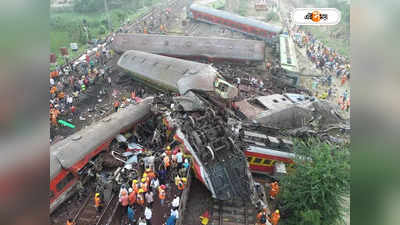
[313, 193]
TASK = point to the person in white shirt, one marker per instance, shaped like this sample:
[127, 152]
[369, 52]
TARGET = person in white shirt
[175, 203]
[148, 214]
[179, 159]
[155, 183]
[141, 221]
[175, 213]
[51, 81]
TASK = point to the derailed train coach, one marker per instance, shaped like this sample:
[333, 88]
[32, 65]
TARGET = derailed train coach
[72, 158]
[190, 47]
[176, 75]
[248, 26]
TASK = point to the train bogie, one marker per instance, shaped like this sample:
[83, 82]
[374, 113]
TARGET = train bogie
[235, 22]
[72, 158]
[192, 47]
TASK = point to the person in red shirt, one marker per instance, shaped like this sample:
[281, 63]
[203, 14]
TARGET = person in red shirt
[116, 105]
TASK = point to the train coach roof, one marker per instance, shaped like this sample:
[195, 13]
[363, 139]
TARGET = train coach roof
[55, 166]
[168, 71]
[237, 18]
[75, 147]
[188, 46]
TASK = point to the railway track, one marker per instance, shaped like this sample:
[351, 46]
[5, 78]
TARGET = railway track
[232, 213]
[87, 214]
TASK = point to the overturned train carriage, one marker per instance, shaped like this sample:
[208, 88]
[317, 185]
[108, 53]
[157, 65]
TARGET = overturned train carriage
[176, 75]
[192, 47]
[248, 26]
[72, 157]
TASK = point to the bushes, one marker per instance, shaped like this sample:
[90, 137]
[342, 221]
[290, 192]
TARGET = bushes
[314, 193]
[272, 16]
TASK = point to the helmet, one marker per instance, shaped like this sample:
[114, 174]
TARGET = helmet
[143, 179]
[141, 191]
[277, 211]
[184, 179]
[97, 194]
[147, 169]
[130, 190]
[144, 175]
[168, 147]
[134, 181]
[162, 187]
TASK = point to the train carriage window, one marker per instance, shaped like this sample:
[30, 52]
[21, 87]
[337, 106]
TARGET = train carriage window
[267, 162]
[51, 194]
[257, 160]
[249, 158]
[65, 181]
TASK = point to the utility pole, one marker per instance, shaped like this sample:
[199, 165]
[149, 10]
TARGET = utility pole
[108, 15]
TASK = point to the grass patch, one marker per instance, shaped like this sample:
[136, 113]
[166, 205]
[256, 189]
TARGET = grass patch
[243, 6]
[342, 46]
[220, 4]
[66, 27]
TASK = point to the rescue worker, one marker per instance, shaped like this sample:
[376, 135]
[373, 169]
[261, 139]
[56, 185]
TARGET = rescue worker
[274, 219]
[347, 104]
[180, 185]
[168, 150]
[135, 186]
[161, 194]
[262, 217]
[274, 190]
[150, 174]
[343, 80]
[145, 30]
[97, 202]
[132, 197]
[166, 162]
[140, 197]
[144, 185]
[116, 105]
[70, 222]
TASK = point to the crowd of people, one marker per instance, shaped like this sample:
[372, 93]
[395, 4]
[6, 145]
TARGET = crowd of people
[69, 82]
[137, 196]
[263, 215]
[328, 61]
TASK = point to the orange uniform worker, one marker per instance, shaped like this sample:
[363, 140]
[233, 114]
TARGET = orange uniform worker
[168, 150]
[144, 185]
[61, 95]
[274, 190]
[274, 219]
[161, 194]
[53, 90]
[140, 197]
[145, 30]
[166, 162]
[70, 222]
[262, 217]
[132, 197]
[97, 202]
[116, 105]
[135, 186]
[181, 184]
[150, 174]
[343, 81]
